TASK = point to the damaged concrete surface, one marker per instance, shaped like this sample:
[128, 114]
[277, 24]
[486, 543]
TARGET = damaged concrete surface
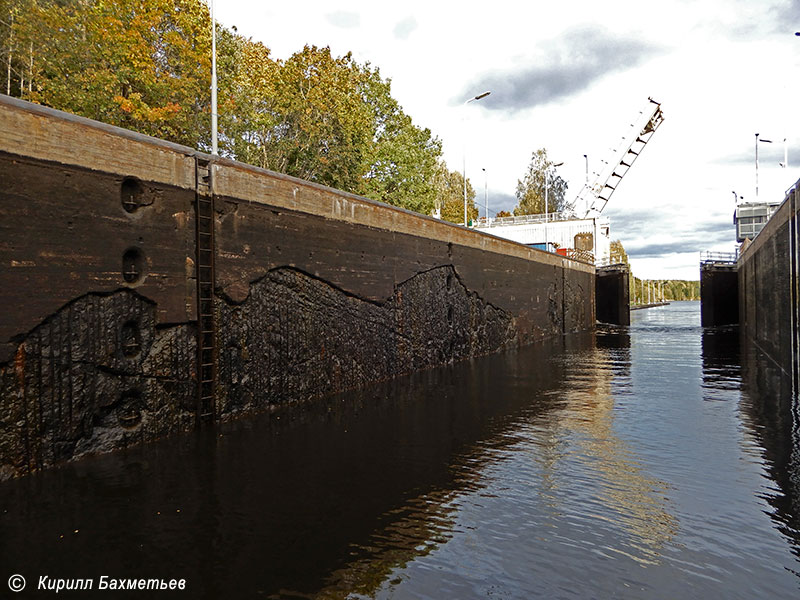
[315, 291]
[96, 376]
[298, 337]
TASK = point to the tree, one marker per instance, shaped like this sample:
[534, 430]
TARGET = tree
[450, 195]
[618, 254]
[502, 213]
[248, 119]
[145, 65]
[531, 188]
[402, 161]
[138, 64]
[326, 119]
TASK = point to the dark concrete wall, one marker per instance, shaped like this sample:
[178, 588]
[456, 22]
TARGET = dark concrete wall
[768, 288]
[612, 295]
[719, 295]
[316, 290]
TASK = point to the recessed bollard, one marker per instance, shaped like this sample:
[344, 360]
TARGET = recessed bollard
[130, 339]
[131, 194]
[133, 265]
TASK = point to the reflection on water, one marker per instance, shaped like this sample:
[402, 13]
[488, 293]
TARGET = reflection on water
[628, 495]
[771, 413]
[643, 462]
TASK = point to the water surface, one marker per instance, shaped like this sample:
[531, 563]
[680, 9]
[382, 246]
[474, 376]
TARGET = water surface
[655, 461]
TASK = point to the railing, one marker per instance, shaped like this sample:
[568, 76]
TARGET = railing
[725, 258]
[524, 219]
[609, 261]
[792, 188]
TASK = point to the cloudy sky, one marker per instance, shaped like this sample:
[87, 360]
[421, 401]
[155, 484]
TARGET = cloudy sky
[571, 76]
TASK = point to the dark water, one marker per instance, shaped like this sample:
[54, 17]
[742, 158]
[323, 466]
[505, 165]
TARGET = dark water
[656, 461]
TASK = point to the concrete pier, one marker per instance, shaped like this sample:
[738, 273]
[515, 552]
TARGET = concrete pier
[612, 294]
[719, 290]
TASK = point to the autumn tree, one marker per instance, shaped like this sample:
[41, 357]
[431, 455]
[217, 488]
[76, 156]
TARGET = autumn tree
[530, 191]
[248, 119]
[450, 195]
[618, 254]
[144, 65]
[403, 159]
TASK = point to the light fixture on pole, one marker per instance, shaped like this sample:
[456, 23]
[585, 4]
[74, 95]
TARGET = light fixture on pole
[464, 166]
[486, 193]
[214, 149]
[765, 141]
[785, 163]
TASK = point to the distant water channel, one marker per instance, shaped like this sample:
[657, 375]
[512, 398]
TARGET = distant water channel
[655, 461]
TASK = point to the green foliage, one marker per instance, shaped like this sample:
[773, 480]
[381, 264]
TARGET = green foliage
[644, 291]
[450, 193]
[140, 65]
[531, 188]
[618, 256]
[669, 289]
[145, 65]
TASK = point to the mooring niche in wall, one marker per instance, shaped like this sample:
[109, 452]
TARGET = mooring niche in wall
[96, 376]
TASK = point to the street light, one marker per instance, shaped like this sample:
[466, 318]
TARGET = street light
[214, 149]
[586, 158]
[464, 166]
[785, 162]
[486, 193]
[766, 141]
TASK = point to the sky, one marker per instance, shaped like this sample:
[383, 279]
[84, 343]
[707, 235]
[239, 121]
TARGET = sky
[571, 76]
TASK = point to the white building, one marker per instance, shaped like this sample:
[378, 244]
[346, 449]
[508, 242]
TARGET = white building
[566, 235]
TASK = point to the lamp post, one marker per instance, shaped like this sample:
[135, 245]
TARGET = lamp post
[586, 158]
[766, 141]
[214, 149]
[785, 163]
[464, 166]
[486, 193]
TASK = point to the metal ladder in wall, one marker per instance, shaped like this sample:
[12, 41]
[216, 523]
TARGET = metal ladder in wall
[205, 272]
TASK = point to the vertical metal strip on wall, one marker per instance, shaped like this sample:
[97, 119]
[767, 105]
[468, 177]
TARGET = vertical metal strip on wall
[793, 291]
[205, 274]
